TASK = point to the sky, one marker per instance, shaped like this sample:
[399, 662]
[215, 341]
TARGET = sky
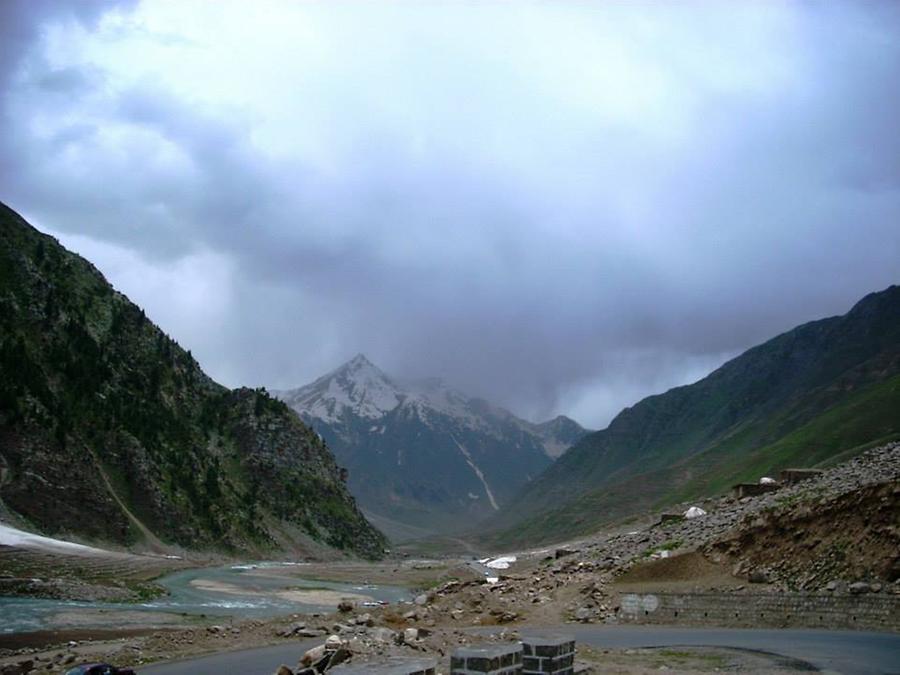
[561, 207]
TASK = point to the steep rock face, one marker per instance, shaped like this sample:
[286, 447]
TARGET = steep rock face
[109, 430]
[822, 391]
[422, 453]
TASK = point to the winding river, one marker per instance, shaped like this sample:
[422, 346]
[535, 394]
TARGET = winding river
[254, 590]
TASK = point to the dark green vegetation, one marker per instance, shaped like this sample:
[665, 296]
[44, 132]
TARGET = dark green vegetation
[111, 431]
[810, 397]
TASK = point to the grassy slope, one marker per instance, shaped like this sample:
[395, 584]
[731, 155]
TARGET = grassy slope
[823, 391]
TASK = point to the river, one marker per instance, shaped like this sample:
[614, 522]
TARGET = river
[253, 590]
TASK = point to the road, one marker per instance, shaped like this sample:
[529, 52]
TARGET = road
[847, 652]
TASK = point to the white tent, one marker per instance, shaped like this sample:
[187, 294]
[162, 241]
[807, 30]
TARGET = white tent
[694, 512]
[765, 480]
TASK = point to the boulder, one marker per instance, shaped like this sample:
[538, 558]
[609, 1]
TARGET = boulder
[340, 656]
[284, 670]
[312, 656]
[758, 577]
[859, 587]
[333, 643]
[382, 634]
[584, 614]
[364, 620]
[292, 629]
[310, 632]
[410, 635]
[421, 599]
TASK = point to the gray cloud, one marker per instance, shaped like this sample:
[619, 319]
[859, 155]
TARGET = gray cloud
[560, 208]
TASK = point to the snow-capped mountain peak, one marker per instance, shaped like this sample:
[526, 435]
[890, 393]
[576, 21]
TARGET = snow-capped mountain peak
[360, 390]
[358, 387]
[419, 451]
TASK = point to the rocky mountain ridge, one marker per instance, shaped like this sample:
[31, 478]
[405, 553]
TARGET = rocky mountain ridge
[110, 431]
[420, 452]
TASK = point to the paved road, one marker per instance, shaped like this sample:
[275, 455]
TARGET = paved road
[847, 652]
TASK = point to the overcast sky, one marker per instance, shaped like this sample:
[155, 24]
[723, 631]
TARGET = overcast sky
[560, 207]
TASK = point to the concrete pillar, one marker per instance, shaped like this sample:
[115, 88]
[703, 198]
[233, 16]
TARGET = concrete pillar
[492, 659]
[548, 654]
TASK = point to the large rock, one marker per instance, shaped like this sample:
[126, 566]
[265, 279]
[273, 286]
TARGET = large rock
[382, 634]
[312, 656]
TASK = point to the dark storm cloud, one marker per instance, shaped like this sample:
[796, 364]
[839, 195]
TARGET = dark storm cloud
[564, 211]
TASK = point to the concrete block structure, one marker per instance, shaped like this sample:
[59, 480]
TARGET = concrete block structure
[753, 489]
[493, 659]
[793, 476]
[395, 665]
[551, 654]
[833, 610]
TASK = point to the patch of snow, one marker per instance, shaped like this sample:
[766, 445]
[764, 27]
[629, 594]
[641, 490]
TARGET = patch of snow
[501, 563]
[10, 536]
[474, 467]
[765, 480]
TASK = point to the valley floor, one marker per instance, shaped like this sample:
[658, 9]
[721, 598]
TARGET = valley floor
[830, 540]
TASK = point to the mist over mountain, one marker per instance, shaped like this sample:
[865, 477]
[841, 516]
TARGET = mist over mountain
[812, 396]
[422, 453]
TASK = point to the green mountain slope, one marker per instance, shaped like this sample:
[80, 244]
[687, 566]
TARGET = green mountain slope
[821, 391]
[109, 430]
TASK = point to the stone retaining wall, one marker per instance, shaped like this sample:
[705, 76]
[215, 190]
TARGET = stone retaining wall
[878, 612]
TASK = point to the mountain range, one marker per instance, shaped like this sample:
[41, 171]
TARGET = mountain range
[421, 455]
[811, 397]
[110, 431]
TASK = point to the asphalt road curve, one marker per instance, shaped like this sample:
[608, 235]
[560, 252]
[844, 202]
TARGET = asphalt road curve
[847, 652]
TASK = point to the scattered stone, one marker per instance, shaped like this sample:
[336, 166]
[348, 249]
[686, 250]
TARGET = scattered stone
[758, 577]
[859, 587]
[584, 614]
[364, 620]
[382, 634]
[310, 632]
